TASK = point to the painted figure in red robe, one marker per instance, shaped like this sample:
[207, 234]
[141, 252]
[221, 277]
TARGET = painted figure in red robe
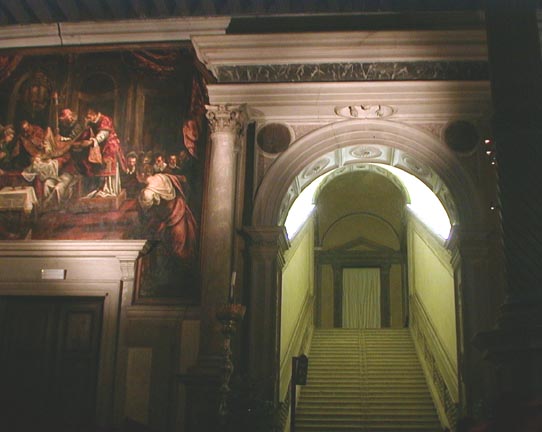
[100, 133]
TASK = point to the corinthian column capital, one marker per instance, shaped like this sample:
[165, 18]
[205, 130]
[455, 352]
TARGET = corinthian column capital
[226, 118]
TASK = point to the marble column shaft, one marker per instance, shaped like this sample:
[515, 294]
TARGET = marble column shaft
[218, 225]
[226, 125]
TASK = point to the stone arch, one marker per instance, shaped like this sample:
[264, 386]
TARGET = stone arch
[353, 141]
[380, 141]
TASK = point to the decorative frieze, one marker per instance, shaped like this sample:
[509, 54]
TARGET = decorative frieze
[372, 71]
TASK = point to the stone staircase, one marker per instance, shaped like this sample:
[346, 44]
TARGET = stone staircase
[365, 380]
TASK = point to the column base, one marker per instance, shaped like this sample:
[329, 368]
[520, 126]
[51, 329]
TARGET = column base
[202, 394]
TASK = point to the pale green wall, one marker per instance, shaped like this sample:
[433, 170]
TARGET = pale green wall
[433, 283]
[297, 284]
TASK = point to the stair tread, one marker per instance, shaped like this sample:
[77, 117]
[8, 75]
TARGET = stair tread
[368, 380]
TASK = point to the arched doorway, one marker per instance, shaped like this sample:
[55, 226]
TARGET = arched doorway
[340, 145]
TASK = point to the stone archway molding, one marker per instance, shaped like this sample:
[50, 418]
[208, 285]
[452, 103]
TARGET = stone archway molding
[362, 141]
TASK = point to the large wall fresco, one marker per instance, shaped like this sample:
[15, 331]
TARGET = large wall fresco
[107, 145]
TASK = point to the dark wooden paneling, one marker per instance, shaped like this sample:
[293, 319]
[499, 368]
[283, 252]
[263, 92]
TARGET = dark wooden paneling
[48, 362]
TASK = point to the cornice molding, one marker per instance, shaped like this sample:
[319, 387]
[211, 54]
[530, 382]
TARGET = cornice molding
[122, 249]
[94, 33]
[340, 47]
[417, 101]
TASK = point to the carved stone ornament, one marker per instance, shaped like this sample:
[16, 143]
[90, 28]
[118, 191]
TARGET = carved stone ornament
[226, 118]
[365, 111]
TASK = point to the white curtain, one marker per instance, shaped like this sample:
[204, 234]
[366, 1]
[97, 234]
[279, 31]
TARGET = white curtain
[361, 298]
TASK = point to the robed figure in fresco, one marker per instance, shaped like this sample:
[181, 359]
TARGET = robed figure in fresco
[166, 213]
[167, 219]
[103, 155]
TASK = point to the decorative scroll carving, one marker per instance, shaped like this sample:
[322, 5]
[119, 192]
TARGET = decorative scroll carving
[365, 111]
[226, 118]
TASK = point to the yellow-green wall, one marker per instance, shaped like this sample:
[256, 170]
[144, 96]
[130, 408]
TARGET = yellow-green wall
[432, 283]
[297, 292]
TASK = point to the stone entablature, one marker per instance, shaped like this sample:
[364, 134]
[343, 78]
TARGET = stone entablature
[344, 56]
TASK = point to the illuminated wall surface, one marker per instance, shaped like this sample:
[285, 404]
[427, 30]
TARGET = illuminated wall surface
[297, 283]
[434, 287]
[422, 201]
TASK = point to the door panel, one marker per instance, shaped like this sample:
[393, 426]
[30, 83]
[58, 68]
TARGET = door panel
[48, 361]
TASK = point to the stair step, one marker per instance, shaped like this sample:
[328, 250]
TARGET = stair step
[365, 380]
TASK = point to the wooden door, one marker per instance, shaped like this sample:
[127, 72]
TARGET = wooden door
[49, 350]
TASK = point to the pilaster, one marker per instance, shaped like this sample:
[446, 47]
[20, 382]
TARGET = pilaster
[267, 245]
[475, 303]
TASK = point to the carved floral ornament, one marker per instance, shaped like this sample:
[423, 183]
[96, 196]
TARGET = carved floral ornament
[365, 111]
[226, 118]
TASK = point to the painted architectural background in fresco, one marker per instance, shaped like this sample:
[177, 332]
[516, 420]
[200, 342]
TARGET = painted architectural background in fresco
[107, 145]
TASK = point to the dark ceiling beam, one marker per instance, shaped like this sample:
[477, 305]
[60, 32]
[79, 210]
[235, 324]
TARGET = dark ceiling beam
[3, 18]
[161, 7]
[232, 7]
[70, 9]
[118, 8]
[181, 8]
[17, 10]
[139, 8]
[41, 10]
[257, 6]
[96, 10]
[208, 7]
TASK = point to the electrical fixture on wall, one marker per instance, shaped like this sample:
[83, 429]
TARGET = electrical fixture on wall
[490, 151]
